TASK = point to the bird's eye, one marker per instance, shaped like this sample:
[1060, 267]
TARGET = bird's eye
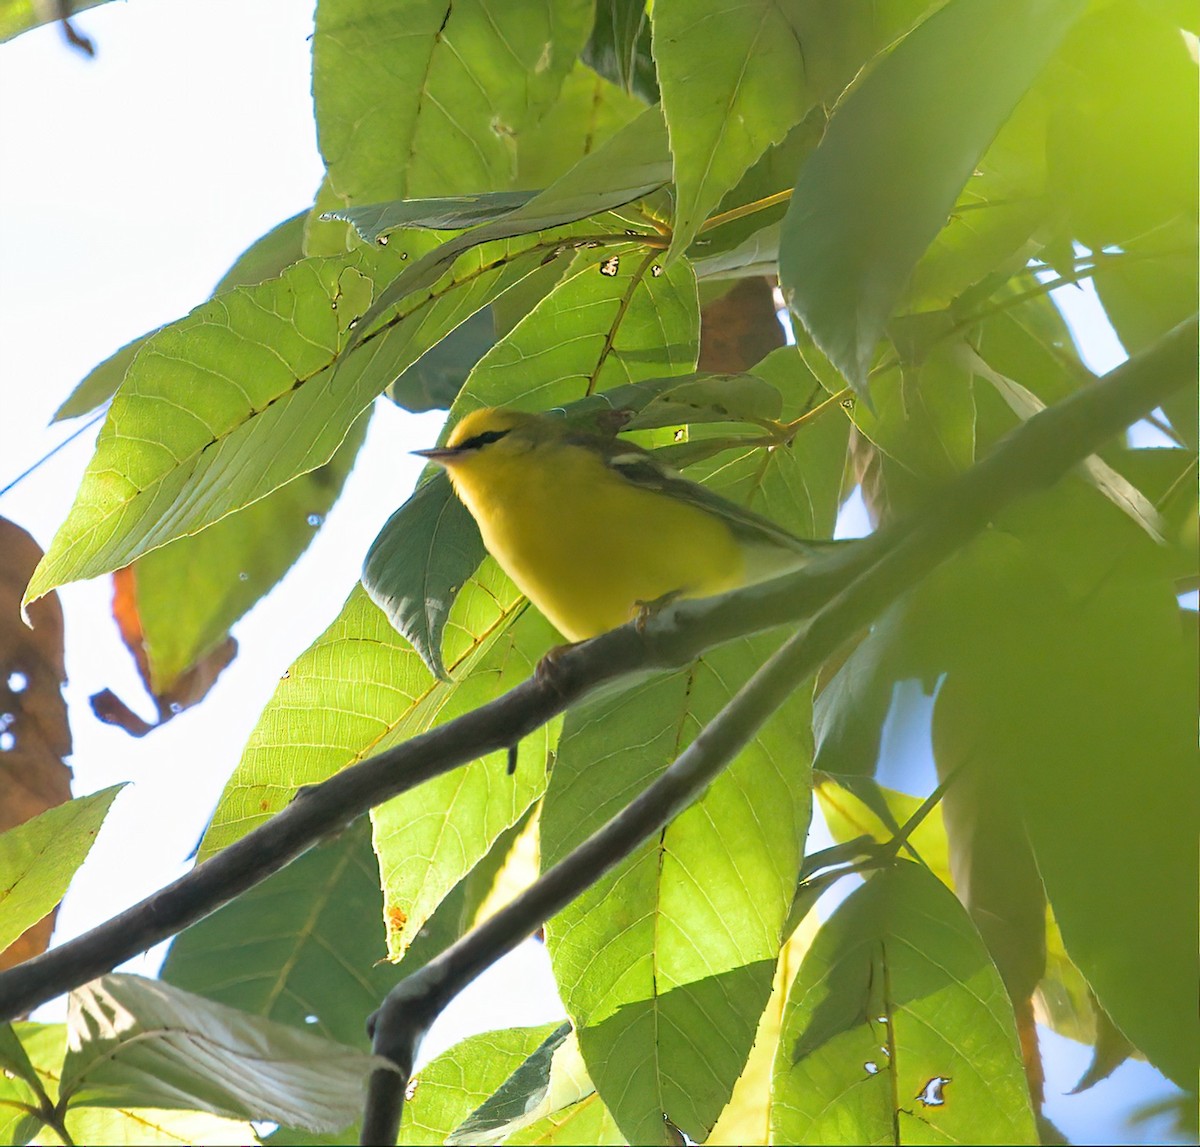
[484, 439]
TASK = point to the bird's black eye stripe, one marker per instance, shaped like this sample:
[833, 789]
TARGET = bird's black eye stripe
[484, 439]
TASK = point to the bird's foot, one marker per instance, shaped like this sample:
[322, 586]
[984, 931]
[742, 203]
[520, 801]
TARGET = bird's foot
[643, 611]
[548, 672]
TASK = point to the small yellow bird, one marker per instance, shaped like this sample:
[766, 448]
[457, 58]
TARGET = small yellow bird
[592, 530]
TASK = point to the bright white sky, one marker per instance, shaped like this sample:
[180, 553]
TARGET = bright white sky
[128, 185]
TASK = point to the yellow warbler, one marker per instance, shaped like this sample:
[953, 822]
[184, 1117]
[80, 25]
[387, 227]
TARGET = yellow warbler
[592, 529]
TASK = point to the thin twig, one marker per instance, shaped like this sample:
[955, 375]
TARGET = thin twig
[52, 451]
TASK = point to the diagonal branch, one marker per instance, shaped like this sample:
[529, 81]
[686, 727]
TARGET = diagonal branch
[1035, 455]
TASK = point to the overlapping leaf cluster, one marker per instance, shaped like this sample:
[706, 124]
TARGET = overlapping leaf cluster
[501, 223]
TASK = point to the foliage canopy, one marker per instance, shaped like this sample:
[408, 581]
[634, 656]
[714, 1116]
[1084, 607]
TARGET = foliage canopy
[578, 204]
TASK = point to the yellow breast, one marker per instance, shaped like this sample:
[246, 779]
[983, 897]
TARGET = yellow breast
[586, 546]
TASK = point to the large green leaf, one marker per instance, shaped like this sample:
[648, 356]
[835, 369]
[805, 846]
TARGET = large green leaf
[304, 947]
[898, 1029]
[666, 964]
[898, 150]
[226, 405]
[138, 1042]
[1085, 675]
[417, 98]
[733, 83]
[151, 1127]
[446, 1090]
[357, 688]
[429, 838]
[38, 859]
[588, 112]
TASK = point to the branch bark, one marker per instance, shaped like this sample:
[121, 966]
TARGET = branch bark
[1033, 456]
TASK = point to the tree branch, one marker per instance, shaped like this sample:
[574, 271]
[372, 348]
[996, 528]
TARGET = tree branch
[1035, 455]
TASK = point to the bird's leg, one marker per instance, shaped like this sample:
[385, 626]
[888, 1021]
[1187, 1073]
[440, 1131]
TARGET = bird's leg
[547, 671]
[643, 611]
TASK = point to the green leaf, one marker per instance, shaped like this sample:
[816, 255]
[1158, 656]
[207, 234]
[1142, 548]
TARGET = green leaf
[361, 689]
[991, 229]
[551, 1079]
[450, 1087]
[898, 1028]
[666, 964]
[17, 16]
[619, 47]
[898, 150]
[1109, 685]
[591, 333]
[1123, 154]
[923, 427]
[732, 85]
[32, 1057]
[588, 112]
[446, 213]
[192, 590]
[629, 166]
[419, 562]
[38, 859]
[420, 860]
[147, 1127]
[440, 115]
[850, 709]
[587, 1121]
[711, 398]
[139, 1042]
[357, 689]
[305, 947]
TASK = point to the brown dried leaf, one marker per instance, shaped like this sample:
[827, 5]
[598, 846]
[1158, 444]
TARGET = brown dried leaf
[34, 734]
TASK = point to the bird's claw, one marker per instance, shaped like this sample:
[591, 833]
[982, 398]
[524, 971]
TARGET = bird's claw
[548, 673]
[643, 611]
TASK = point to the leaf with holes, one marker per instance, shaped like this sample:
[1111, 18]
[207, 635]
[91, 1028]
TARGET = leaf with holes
[898, 1028]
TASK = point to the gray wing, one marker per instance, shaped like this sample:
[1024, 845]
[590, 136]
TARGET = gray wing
[640, 469]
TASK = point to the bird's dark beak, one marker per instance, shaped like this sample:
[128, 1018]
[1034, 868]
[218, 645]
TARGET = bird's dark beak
[438, 454]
